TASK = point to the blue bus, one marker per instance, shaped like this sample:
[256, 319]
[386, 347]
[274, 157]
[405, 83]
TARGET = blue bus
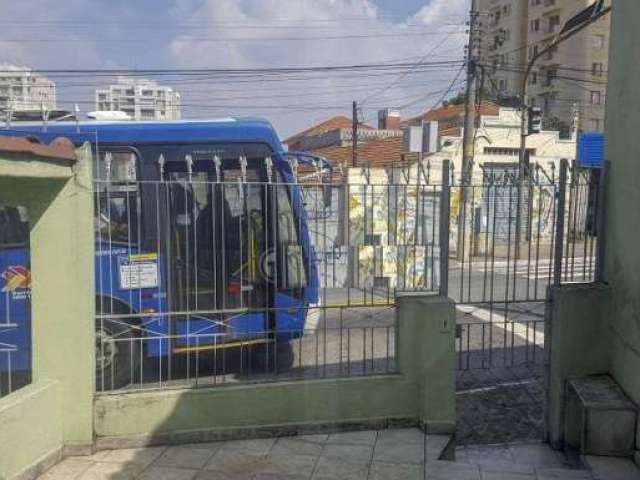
[202, 243]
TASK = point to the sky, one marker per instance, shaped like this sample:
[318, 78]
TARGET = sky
[248, 34]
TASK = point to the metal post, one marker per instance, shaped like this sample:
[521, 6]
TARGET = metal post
[559, 241]
[354, 136]
[445, 214]
[601, 221]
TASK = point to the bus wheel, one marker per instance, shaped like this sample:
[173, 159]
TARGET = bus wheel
[117, 355]
[266, 358]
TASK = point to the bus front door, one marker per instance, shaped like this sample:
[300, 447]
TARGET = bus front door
[217, 238]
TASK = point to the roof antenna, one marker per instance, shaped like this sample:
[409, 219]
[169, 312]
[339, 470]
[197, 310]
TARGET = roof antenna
[76, 109]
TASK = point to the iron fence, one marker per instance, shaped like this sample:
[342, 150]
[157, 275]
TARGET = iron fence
[249, 279]
[511, 238]
[256, 276]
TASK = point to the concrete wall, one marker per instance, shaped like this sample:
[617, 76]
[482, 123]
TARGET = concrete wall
[57, 414]
[593, 320]
[423, 392]
[623, 227]
[54, 413]
[578, 345]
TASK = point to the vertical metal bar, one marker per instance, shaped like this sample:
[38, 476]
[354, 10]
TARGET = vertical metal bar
[445, 206]
[559, 237]
[472, 239]
[601, 222]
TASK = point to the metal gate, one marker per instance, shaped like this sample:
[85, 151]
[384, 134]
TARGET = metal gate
[511, 240]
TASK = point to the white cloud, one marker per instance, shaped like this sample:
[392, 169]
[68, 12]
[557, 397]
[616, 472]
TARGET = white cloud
[183, 40]
[265, 19]
[443, 11]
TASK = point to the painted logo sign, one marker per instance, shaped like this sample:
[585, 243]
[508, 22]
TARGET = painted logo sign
[16, 278]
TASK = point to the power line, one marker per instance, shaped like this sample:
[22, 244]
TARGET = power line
[405, 74]
[240, 71]
[229, 39]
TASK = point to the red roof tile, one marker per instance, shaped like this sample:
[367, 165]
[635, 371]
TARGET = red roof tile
[384, 152]
[335, 123]
[451, 111]
[59, 149]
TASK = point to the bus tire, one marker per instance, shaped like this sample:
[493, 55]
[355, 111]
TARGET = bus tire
[116, 361]
[266, 358]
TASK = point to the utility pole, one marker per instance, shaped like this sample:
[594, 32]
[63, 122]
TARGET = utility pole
[354, 136]
[468, 139]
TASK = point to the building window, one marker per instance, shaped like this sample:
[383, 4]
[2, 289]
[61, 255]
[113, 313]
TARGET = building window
[596, 97]
[535, 2]
[551, 74]
[595, 124]
[535, 25]
[598, 41]
[597, 69]
[534, 78]
[554, 21]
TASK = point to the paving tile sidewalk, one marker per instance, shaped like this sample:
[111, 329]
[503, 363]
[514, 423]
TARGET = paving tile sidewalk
[366, 455]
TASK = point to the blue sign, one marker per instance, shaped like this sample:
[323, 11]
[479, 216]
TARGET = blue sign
[590, 150]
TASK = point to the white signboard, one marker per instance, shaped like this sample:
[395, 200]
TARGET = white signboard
[139, 271]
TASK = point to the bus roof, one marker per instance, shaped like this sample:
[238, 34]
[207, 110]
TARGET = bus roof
[246, 130]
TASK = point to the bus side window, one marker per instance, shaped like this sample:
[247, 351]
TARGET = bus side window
[117, 197]
[290, 248]
[14, 226]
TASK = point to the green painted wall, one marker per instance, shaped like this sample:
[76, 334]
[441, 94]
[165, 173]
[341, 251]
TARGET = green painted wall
[577, 332]
[423, 391]
[30, 428]
[55, 412]
[623, 223]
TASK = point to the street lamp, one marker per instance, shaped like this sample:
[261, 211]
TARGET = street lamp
[574, 25]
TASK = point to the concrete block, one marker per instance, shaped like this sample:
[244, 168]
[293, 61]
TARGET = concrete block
[600, 419]
[610, 468]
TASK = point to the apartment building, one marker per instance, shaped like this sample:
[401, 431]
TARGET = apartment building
[22, 90]
[141, 99]
[569, 82]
